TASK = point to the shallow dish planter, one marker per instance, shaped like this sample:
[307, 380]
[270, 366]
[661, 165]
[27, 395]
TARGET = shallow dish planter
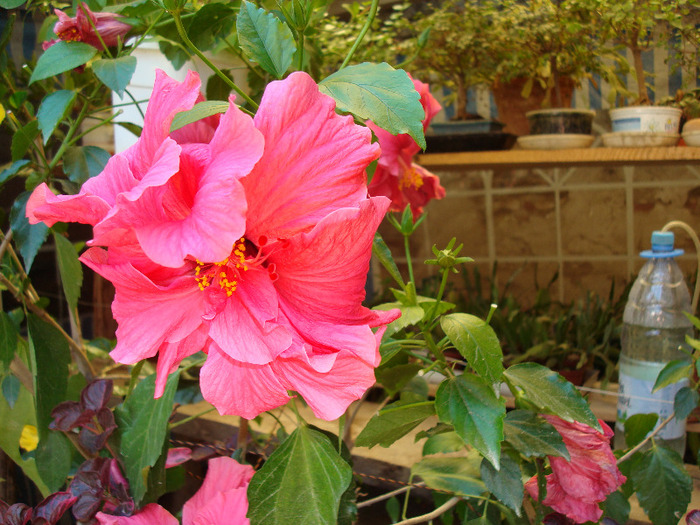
[560, 120]
[639, 139]
[556, 141]
[655, 119]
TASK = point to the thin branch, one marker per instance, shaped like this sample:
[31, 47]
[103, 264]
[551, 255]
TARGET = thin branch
[370, 18]
[646, 440]
[431, 515]
[386, 496]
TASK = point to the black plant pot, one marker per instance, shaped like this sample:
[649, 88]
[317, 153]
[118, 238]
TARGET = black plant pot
[560, 120]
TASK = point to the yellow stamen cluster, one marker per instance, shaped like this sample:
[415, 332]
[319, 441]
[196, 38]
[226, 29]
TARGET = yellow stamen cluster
[410, 178]
[205, 277]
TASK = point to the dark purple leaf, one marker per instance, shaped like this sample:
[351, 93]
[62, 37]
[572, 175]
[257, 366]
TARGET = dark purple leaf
[557, 519]
[53, 507]
[118, 485]
[3, 508]
[67, 416]
[90, 441]
[86, 506]
[17, 514]
[96, 395]
[693, 517]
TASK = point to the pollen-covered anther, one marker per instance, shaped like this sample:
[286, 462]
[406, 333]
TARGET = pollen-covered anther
[410, 178]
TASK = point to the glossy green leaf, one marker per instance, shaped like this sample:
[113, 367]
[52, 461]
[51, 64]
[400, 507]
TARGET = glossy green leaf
[53, 460]
[61, 57]
[673, 372]
[382, 252]
[198, 112]
[8, 340]
[83, 162]
[12, 170]
[459, 475]
[53, 110]
[23, 139]
[393, 422]
[11, 389]
[396, 376]
[617, 507]
[550, 393]
[50, 361]
[443, 443]
[638, 426]
[663, 485]
[209, 23]
[265, 39]
[410, 315]
[471, 406]
[13, 421]
[380, 93]
[477, 342]
[115, 73]
[143, 427]
[28, 237]
[11, 4]
[686, 400]
[506, 483]
[301, 482]
[532, 435]
[70, 269]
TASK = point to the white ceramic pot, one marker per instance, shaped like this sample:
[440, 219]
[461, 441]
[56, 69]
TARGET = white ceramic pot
[656, 119]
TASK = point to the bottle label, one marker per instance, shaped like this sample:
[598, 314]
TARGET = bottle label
[637, 379]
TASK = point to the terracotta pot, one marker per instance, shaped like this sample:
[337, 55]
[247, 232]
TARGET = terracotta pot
[512, 106]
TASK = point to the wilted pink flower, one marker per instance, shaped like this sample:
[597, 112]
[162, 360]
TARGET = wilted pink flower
[576, 487]
[151, 514]
[397, 176]
[86, 25]
[263, 268]
[222, 499]
[177, 456]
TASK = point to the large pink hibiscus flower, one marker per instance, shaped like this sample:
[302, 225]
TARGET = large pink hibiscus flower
[397, 176]
[281, 309]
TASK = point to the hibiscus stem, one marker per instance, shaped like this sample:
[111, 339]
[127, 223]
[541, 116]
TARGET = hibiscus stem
[368, 23]
[183, 34]
[409, 262]
[190, 418]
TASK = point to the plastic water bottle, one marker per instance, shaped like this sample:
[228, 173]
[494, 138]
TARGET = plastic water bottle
[653, 333]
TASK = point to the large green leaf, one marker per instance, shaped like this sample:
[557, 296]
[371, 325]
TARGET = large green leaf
[70, 269]
[532, 435]
[27, 237]
[83, 162]
[265, 39]
[471, 406]
[53, 110]
[301, 482]
[685, 401]
[115, 73]
[11, 4]
[210, 22]
[13, 421]
[506, 483]
[550, 393]
[638, 426]
[459, 475]
[380, 93]
[443, 443]
[393, 422]
[198, 112]
[53, 459]
[8, 340]
[61, 57]
[663, 485]
[477, 342]
[50, 360]
[23, 139]
[12, 170]
[143, 426]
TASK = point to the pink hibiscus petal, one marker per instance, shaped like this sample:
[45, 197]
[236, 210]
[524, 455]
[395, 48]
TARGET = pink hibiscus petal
[149, 515]
[44, 206]
[178, 456]
[314, 160]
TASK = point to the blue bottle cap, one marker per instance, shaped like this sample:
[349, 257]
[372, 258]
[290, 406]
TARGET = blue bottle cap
[661, 246]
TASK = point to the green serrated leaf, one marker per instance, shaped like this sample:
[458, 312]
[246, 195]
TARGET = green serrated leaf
[143, 426]
[550, 393]
[301, 482]
[12, 170]
[506, 483]
[83, 162]
[674, 371]
[10, 390]
[410, 315]
[394, 378]
[443, 443]
[617, 507]
[471, 406]
[11, 4]
[115, 73]
[477, 342]
[663, 485]
[8, 340]
[61, 57]
[28, 237]
[198, 112]
[685, 401]
[53, 109]
[638, 426]
[23, 139]
[50, 361]
[459, 475]
[53, 460]
[382, 252]
[70, 269]
[532, 435]
[380, 93]
[265, 39]
[210, 22]
[393, 422]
